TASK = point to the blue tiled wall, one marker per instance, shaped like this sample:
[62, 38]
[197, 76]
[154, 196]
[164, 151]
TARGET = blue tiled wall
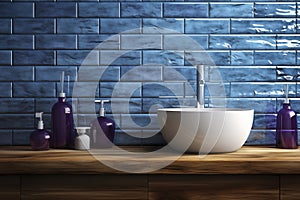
[254, 44]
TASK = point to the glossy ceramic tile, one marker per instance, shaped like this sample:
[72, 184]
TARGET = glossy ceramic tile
[251, 46]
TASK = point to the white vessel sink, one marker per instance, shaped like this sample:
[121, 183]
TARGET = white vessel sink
[206, 130]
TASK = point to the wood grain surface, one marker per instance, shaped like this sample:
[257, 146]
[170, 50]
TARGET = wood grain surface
[207, 187]
[290, 187]
[248, 160]
[84, 187]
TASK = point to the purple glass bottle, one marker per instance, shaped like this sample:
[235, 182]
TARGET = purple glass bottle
[63, 132]
[286, 130]
[102, 129]
[39, 139]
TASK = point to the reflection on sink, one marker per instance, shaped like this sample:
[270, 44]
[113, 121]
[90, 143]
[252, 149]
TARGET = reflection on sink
[205, 130]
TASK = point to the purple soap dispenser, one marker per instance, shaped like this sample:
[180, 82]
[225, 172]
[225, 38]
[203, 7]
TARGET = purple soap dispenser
[39, 139]
[102, 129]
[63, 132]
[286, 129]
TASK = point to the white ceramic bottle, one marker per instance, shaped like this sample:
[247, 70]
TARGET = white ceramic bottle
[82, 141]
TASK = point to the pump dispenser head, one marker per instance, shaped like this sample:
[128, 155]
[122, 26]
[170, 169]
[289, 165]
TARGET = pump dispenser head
[40, 123]
[102, 110]
[286, 94]
[62, 81]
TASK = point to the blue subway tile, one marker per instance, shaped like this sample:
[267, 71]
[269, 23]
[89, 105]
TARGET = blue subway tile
[55, 42]
[207, 58]
[150, 105]
[123, 138]
[16, 73]
[78, 25]
[103, 41]
[54, 9]
[5, 26]
[261, 26]
[264, 121]
[124, 105]
[16, 121]
[202, 41]
[33, 89]
[163, 89]
[117, 105]
[203, 26]
[136, 74]
[243, 73]
[78, 0]
[186, 10]
[275, 10]
[260, 105]
[102, 9]
[216, 91]
[27, 25]
[72, 57]
[164, 25]
[288, 42]
[111, 73]
[261, 137]
[141, 41]
[242, 57]
[274, 57]
[184, 73]
[131, 58]
[5, 57]
[231, 10]
[46, 73]
[5, 89]
[16, 9]
[257, 89]
[6, 137]
[35, 57]
[119, 25]
[163, 57]
[288, 73]
[84, 119]
[21, 137]
[16, 42]
[120, 89]
[191, 42]
[17, 105]
[44, 104]
[139, 121]
[254, 68]
[141, 9]
[242, 42]
[86, 89]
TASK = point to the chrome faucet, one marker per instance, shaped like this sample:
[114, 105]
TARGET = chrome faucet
[200, 84]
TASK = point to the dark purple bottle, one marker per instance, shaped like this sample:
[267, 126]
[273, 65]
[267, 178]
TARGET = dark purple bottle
[39, 139]
[63, 133]
[102, 129]
[286, 129]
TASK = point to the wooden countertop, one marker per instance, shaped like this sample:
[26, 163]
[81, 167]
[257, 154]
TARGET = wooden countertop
[247, 160]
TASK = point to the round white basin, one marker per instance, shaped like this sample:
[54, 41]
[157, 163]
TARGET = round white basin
[207, 130]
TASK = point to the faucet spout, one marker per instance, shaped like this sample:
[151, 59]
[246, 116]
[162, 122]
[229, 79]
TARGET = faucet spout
[200, 88]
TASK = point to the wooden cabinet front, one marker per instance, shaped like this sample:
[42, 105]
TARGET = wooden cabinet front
[207, 187]
[84, 187]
